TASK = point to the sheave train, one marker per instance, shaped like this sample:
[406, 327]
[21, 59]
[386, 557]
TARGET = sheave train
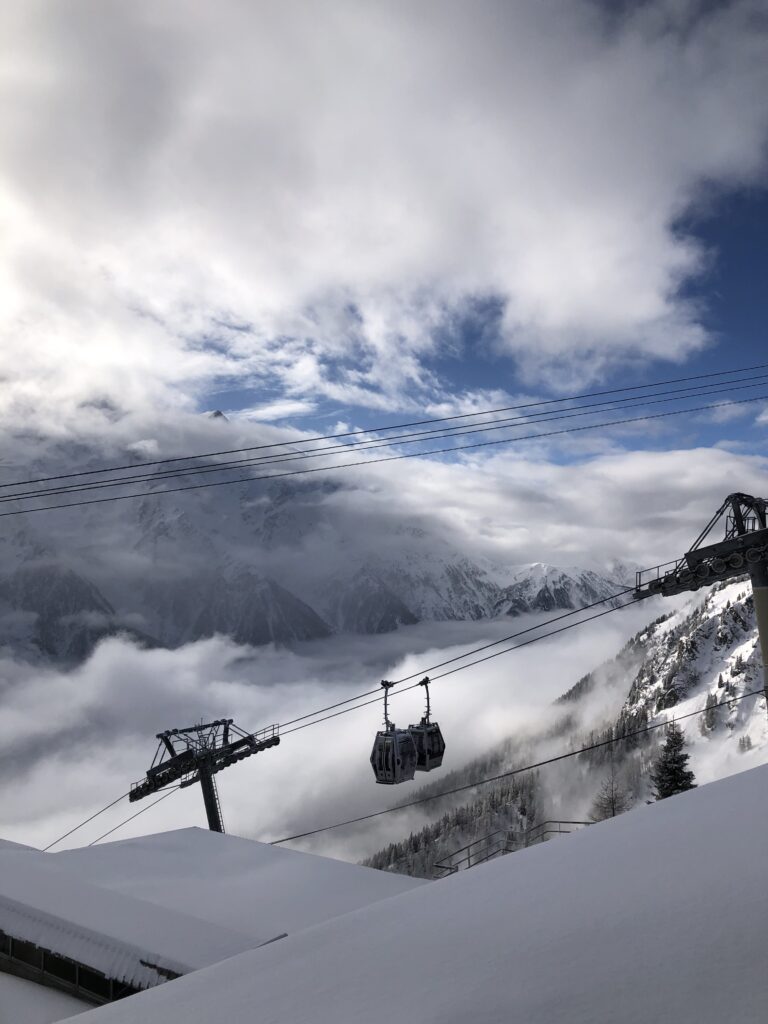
[399, 753]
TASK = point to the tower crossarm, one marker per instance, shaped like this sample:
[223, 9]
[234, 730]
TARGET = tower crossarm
[743, 548]
[196, 753]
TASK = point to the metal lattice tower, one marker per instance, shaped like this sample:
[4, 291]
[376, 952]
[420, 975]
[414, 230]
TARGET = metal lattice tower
[195, 754]
[744, 549]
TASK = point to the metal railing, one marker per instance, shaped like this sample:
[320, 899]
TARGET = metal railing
[501, 842]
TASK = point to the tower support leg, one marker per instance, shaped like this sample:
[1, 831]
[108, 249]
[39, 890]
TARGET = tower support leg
[759, 574]
[211, 799]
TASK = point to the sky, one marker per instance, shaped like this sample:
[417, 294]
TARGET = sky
[313, 213]
[318, 217]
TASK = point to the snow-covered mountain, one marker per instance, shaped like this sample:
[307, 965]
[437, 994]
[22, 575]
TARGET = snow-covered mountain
[284, 563]
[687, 661]
[544, 588]
[49, 609]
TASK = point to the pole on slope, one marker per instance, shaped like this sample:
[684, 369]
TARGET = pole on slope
[210, 799]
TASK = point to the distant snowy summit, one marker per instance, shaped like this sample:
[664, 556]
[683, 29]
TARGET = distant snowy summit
[277, 562]
[49, 610]
[543, 588]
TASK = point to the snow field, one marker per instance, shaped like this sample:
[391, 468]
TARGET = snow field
[631, 920]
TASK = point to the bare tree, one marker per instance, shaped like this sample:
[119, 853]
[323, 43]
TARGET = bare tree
[612, 799]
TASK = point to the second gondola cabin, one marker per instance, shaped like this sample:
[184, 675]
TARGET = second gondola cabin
[430, 745]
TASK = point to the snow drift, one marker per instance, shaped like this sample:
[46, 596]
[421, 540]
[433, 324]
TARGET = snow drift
[656, 915]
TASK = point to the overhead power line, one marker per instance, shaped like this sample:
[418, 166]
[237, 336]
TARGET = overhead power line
[460, 668]
[389, 458]
[486, 426]
[397, 426]
[512, 772]
[436, 796]
[422, 672]
[82, 823]
[169, 792]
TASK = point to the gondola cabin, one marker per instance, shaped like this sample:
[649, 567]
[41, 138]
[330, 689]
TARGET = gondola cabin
[394, 756]
[430, 745]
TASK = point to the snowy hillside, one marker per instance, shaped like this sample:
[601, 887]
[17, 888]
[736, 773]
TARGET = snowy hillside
[701, 656]
[627, 920]
[684, 662]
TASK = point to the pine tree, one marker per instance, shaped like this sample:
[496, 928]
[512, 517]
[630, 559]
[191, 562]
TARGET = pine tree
[709, 720]
[670, 773]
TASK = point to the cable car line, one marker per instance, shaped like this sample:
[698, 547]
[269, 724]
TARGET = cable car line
[169, 792]
[373, 443]
[389, 458]
[421, 800]
[398, 426]
[286, 732]
[87, 820]
[460, 668]
[460, 657]
[513, 771]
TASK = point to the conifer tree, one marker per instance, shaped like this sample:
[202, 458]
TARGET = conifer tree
[670, 773]
[709, 721]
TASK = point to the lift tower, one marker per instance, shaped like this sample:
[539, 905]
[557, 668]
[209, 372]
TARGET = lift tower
[744, 549]
[196, 754]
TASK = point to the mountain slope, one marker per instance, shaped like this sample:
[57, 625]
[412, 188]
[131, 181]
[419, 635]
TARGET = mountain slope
[51, 610]
[685, 661]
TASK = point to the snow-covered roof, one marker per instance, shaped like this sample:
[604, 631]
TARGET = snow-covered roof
[257, 889]
[130, 940]
[656, 915]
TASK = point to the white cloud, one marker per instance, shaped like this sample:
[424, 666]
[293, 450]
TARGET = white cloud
[97, 733]
[278, 410]
[310, 194]
[520, 505]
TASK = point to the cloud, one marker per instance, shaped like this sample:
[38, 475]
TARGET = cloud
[573, 500]
[278, 410]
[523, 505]
[309, 198]
[97, 733]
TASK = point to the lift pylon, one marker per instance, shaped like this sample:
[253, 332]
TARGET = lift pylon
[744, 549]
[195, 754]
